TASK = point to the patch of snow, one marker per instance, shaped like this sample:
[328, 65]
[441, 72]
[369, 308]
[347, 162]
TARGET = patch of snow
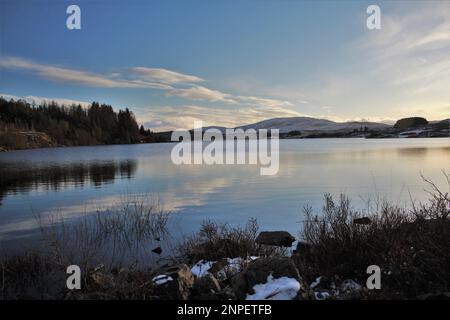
[418, 131]
[321, 295]
[234, 265]
[161, 279]
[315, 283]
[201, 268]
[283, 288]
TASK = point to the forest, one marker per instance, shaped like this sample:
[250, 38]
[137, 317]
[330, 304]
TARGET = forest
[75, 125]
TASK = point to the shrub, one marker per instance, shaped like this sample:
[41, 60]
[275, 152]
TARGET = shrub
[217, 241]
[111, 237]
[411, 247]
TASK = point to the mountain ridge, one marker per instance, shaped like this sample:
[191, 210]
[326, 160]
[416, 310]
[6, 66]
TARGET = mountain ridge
[288, 124]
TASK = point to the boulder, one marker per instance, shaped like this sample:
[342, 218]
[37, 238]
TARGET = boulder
[275, 238]
[157, 250]
[350, 290]
[206, 284]
[178, 284]
[257, 272]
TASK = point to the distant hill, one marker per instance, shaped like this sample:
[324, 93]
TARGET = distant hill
[307, 127]
[286, 125]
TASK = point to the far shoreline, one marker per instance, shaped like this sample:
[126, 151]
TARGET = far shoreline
[4, 150]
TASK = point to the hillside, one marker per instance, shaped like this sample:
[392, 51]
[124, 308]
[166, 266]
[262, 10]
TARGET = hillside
[25, 126]
[286, 125]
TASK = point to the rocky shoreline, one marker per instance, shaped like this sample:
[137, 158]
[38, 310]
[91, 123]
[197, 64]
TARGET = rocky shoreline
[331, 260]
[251, 278]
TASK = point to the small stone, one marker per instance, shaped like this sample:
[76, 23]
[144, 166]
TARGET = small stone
[275, 238]
[157, 250]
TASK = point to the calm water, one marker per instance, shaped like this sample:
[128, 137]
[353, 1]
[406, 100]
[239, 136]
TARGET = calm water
[73, 181]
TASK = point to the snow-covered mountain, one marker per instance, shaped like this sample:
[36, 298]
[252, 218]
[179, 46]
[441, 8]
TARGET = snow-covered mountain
[312, 124]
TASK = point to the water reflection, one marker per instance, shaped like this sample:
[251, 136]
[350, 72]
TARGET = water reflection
[83, 181]
[15, 178]
[422, 152]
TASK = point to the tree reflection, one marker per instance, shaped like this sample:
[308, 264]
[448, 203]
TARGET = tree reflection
[15, 178]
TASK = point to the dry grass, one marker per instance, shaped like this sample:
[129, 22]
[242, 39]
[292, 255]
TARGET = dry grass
[217, 241]
[29, 276]
[109, 236]
[410, 246]
[102, 242]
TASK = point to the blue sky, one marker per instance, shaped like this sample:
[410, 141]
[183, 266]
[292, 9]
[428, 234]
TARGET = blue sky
[231, 62]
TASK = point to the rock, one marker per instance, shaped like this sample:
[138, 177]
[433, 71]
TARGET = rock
[239, 285]
[157, 250]
[205, 285]
[363, 220]
[275, 238]
[179, 288]
[218, 266]
[104, 281]
[350, 290]
[258, 271]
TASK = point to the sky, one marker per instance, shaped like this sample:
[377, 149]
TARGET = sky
[231, 63]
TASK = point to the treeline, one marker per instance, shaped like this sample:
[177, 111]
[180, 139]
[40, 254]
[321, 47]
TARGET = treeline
[74, 125]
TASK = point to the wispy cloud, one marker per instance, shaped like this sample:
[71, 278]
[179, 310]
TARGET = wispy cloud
[201, 93]
[79, 77]
[411, 51]
[174, 84]
[165, 76]
[162, 118]
[270, 103]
